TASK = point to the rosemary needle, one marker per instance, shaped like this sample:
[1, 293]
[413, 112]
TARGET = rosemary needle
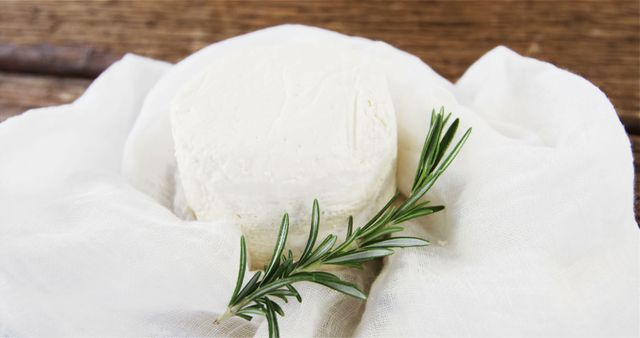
[371, 241]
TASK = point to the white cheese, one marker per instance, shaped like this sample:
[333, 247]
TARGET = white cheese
[267, 129]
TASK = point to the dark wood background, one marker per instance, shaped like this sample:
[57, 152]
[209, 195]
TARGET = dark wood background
[51, 50]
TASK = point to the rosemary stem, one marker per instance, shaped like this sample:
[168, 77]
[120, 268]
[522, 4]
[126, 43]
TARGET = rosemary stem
[370, 242]
[226, 315]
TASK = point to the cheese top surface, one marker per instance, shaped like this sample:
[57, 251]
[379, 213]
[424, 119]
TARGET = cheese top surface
[266, 130]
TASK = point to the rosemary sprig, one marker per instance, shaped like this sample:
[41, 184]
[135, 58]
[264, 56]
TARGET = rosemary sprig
[368, 242]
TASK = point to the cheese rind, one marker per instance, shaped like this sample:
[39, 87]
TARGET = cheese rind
[265, 130]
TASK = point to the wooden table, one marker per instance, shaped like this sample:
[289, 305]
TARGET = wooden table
[51, 50]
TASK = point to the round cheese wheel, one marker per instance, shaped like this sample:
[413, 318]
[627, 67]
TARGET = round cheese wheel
[267, 129]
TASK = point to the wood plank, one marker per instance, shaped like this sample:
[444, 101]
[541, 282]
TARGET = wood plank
[21, 92]
[50, 59]
[597, 39]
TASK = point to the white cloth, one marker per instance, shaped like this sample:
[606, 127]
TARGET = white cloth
[538, 237]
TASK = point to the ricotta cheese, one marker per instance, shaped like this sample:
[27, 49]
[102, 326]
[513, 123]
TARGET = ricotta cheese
[265, 130]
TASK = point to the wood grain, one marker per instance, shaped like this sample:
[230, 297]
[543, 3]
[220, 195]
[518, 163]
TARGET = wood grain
[21, 92]
[50, 59]
[597, 39]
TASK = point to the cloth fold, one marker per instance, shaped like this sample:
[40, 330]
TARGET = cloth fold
[538, 237]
